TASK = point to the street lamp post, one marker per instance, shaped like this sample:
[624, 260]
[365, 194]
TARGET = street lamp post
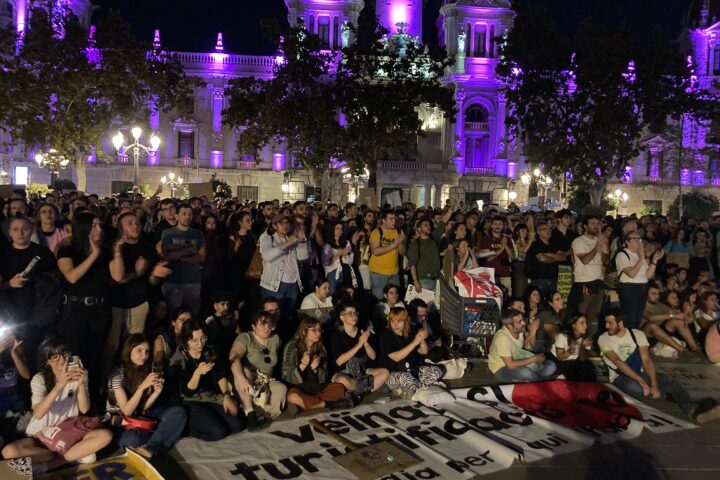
[137, 148]
[53, 161]
[619, 196]
[172, 181]
[536, 180]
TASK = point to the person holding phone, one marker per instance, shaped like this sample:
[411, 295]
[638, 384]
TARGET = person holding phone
[134, 390]
[20, 285]
[58, 394]
[212, 410]
[305, 368]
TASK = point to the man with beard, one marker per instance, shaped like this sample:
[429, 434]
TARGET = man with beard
[132, 267]
[499, 248]
[591, 251]
[631, 368]
[266, 213]
[509, 360]
[184, 248]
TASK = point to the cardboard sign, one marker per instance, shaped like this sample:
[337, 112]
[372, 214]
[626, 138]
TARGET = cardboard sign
[201, 190]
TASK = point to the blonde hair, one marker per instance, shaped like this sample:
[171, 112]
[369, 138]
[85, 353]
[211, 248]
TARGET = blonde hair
[397, 313]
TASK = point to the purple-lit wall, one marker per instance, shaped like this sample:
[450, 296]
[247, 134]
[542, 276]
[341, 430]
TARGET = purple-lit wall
[216, 158]
[278, 163]
[392, 12]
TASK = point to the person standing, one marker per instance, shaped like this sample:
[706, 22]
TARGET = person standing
[543, 259]
[386, 245]
[499, 248]
[184, 249]
[86, 314]
[133, 267]
[591, 252]
[634, 271]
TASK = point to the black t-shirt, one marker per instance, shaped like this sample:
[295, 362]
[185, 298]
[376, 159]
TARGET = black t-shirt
[389, 343]
[14, 261]
[537, 269]
[340, 343]
[159, 228]
[562, 243]
[95, 282]
[136, 291]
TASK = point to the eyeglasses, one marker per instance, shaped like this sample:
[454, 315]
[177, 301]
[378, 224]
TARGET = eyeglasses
[350, 314]
[195, 341]
[267, 358]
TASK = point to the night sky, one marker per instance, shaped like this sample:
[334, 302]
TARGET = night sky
[188, 25]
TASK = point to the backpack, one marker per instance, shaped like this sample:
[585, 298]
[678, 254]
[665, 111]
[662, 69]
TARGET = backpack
[255, 268]
[612, 278]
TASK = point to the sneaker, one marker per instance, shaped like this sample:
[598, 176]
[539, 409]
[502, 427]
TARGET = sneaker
[708, 415]
[255, 423]
[92, 458]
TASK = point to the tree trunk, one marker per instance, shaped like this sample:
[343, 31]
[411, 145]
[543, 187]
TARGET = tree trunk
[596, 191]
[80, 171]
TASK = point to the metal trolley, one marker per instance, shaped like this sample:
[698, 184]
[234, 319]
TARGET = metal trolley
[472, 322]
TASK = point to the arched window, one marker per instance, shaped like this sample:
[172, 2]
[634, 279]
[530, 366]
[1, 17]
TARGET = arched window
[476, 114]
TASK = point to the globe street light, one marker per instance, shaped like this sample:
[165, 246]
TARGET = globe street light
[619, 196]
[53, 161]
[137, 148]
[172, 181]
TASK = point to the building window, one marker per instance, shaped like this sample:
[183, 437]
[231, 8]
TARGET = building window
[479, 41]
[324, 32]
[186, 144]
[476, 114]
[247, 193]
[716, 61]
[120, 186]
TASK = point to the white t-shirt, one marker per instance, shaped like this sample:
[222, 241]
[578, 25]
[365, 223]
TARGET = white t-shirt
[622, 346]
[312, 301]
[624, 259]
[64, 406]
[593, 270]
[562, 341]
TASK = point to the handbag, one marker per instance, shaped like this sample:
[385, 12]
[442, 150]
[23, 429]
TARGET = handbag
[255, 268]
[64, 435]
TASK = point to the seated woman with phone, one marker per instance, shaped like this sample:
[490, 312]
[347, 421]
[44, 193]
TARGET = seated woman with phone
[207, 397]
[58, 433]
[305, 369]
[134, 389]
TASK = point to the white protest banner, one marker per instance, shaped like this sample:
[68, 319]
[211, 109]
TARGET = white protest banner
[484, 431]
[699, 380]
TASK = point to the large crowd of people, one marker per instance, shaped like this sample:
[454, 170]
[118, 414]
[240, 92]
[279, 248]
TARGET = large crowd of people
[207, 317]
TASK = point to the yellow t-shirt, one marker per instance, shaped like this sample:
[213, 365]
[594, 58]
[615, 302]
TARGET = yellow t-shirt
[505, 345]
[384, 264]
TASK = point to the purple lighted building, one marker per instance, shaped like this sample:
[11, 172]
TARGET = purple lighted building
[468, 157]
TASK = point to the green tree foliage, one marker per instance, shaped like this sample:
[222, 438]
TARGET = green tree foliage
[584, 104]
[297, 107]
[53, 96]
[357, 107]
[63, 184]
[696, 204]
[219, 182]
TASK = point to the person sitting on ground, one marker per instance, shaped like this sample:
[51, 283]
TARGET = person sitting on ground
[305, 368]
[533, 302]
[662, 323]
[202, 373]
[165, 343]
[134, 389]
[707, 311]
[252, 359]
[572, 349]
[549, 321]
[632, 370]
[391, 299]
[59, 393]
[14, 375]
[508, 360]
[319, 298]
[221, 326]
[351, 353]
[402, 353]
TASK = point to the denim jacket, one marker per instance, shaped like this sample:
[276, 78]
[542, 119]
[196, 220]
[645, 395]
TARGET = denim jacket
[273, 255]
